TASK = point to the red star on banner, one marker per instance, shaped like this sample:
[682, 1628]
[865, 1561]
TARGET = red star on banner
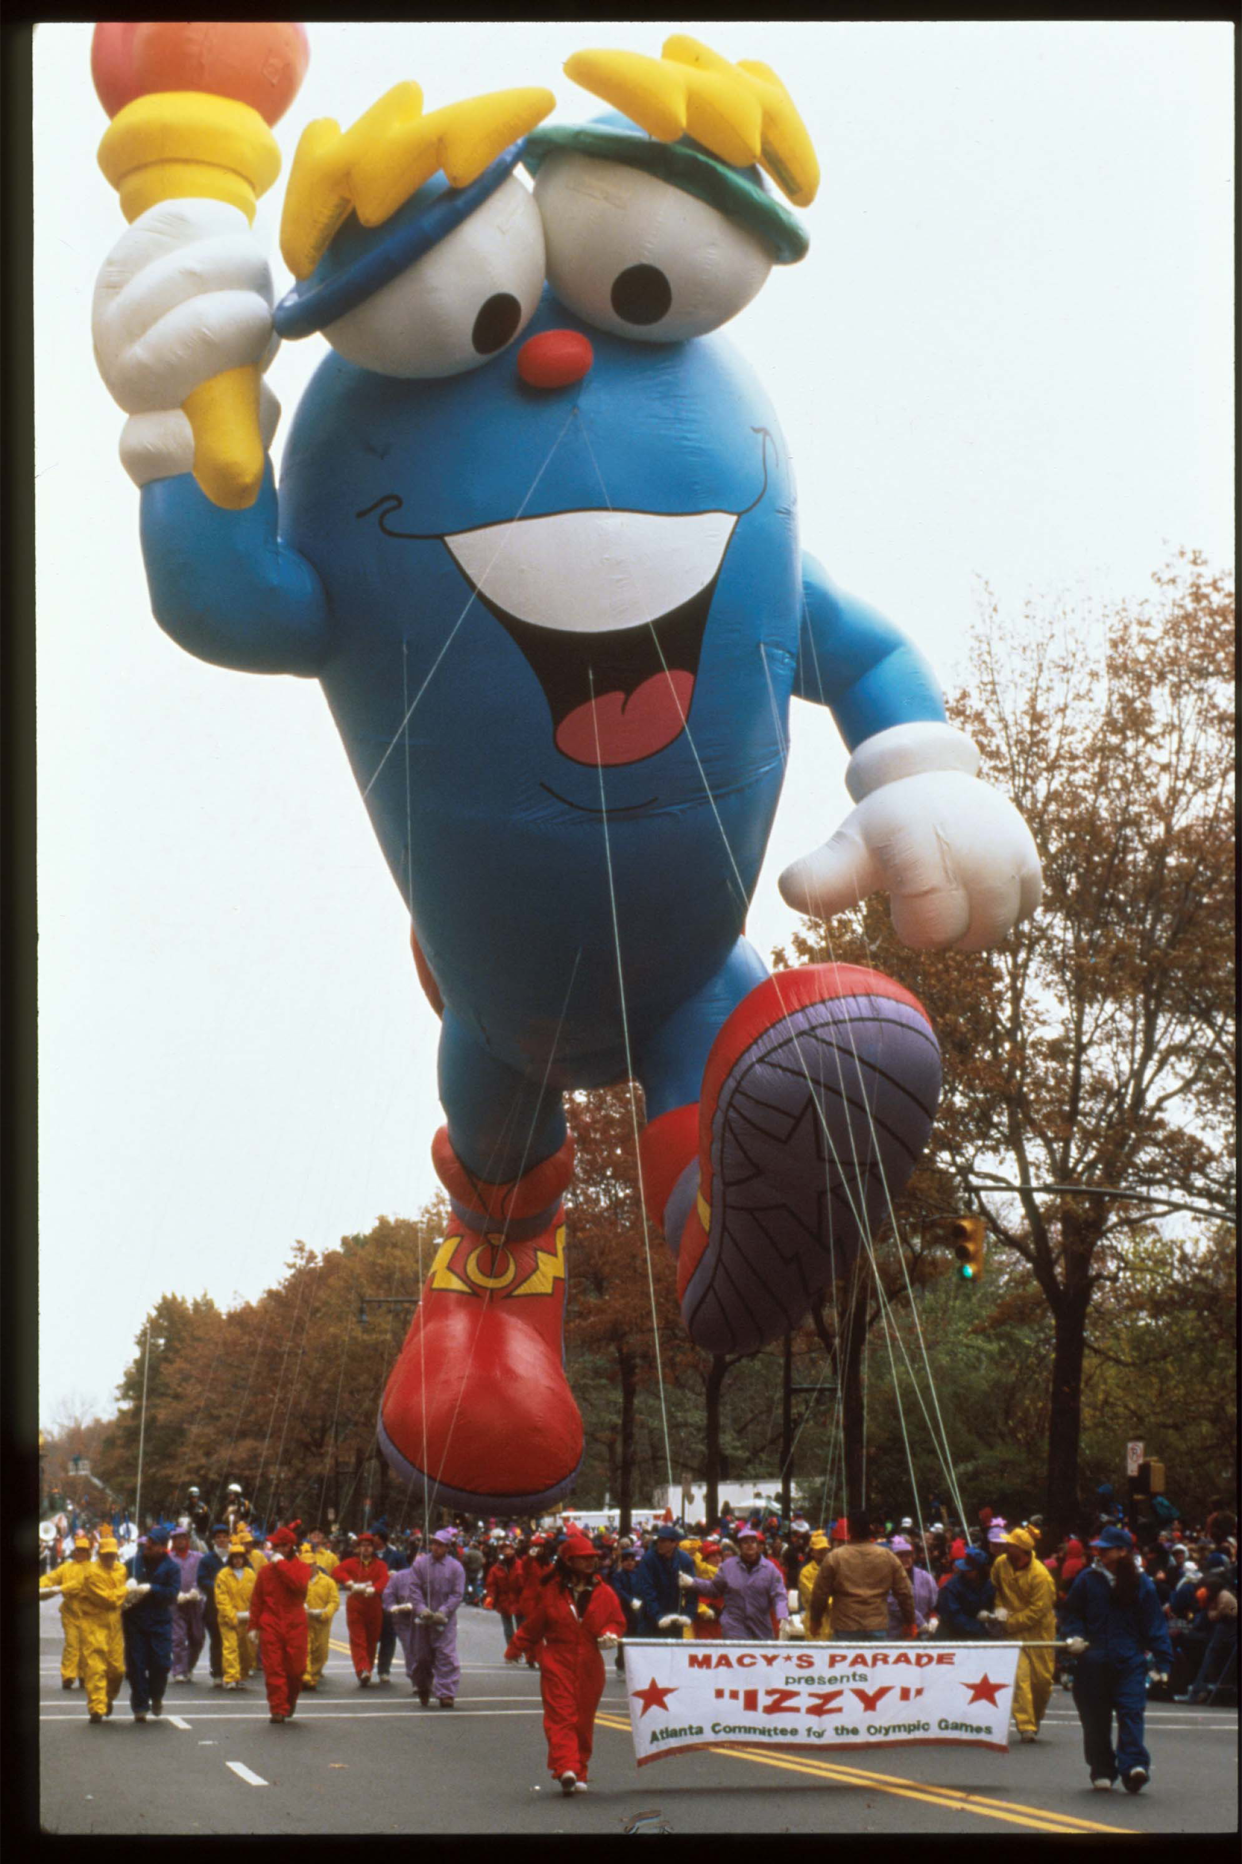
[655, 1695]
[985, 1690]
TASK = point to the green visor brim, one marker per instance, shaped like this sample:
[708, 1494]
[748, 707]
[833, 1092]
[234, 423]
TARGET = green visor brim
[734, 192]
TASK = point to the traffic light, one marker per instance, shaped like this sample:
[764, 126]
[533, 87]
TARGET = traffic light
[967, 1237]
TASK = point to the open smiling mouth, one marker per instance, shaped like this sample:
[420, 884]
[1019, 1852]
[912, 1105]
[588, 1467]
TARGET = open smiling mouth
[609, 609]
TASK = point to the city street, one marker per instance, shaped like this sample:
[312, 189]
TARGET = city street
[375, 1761]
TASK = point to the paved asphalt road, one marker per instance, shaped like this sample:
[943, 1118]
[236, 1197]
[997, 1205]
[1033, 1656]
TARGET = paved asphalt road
[374, 1761]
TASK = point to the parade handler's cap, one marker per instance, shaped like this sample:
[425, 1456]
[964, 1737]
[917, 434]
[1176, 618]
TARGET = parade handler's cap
[366, 1540]
[181, 1533]
[221, 1527]
[666, 1531]
[108, 1545]
[445, 1536]
[702, 124]
[971, 1562]
[1113, 1537]
[899, 1544]
[818, 1540]
[749, 1533]
[1020, 1537]
[578, 1547]
[283, 1537]
[237, 1546]
[363, 205]
[157, 1537]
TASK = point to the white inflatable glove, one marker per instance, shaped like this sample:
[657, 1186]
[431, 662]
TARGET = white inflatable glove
[608, 1641]
[956, 858]
[185, 294]
[1076, 1646]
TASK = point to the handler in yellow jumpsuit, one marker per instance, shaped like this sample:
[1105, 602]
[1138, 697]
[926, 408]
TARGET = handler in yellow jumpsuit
[65, 1582]
[322, 1601]
[100, 1598]
[1025, 1601]
[234, 1585]
[806, 1581]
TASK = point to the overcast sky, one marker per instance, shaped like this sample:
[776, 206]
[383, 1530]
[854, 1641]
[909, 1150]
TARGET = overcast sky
[1007, 358]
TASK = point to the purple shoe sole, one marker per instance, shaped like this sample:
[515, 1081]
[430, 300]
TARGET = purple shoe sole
[817, 1128]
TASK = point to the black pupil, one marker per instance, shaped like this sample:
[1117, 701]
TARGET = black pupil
[496, 322]
[641, 294]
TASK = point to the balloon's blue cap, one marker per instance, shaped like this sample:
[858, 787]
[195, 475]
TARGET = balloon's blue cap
[361, 260]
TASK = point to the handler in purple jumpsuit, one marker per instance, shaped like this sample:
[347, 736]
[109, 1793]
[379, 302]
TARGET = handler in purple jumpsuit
[926, 1591]
[439, 1585]
[188, 1625]
[399, 1601]
[752, 1589]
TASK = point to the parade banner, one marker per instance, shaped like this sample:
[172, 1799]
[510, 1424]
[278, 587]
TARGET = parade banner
[687, 1694]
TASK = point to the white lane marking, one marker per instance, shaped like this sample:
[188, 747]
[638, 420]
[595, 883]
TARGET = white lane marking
[243, 1773]
[207, 1744]
[177, 1722]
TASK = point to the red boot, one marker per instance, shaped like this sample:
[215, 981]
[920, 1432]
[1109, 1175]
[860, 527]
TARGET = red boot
[477, 1409]
[818, 1096]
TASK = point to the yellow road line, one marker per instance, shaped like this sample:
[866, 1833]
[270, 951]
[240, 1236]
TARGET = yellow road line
[1033, 1818]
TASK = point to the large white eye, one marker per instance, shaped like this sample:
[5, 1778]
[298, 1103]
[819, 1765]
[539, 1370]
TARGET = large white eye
[633, 254]
[461, 302]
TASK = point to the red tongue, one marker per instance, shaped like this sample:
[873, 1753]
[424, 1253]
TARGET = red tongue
[614, 729]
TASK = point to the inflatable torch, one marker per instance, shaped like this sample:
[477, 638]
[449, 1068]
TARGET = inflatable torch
[192, 103]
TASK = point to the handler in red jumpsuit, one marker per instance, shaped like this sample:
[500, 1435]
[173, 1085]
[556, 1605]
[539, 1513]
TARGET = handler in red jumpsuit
[278, 1615]
[362, 1579]
[535, 1569]
[575, 1616]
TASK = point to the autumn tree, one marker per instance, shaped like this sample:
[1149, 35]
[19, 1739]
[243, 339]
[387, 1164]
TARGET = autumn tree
[1092, 1055]
[623, 1327]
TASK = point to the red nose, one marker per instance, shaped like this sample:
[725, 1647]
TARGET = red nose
[554, 359]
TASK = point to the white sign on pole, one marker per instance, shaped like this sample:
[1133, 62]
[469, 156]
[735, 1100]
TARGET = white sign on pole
[718, 1693]
[1134, 1458]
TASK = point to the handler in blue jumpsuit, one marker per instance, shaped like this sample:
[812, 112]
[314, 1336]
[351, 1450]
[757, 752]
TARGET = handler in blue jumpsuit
[968, 1593]
[657, 1584]
[147, 1621]
[623, 1578]
[1112, 1620]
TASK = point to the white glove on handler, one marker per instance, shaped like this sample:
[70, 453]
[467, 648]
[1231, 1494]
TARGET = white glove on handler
[686, 1581]
[608, 1641]
[403, 1608]
[677, 1619]
[426, 1616]
[439, 1618]
[185, 294]
[1001, 1614]
[956, 858]
[636, 1605]
[662, 1624]
[1076, 1646]
[51, 1592]
[243, 1618]
[790, 1630]
[183, 1598]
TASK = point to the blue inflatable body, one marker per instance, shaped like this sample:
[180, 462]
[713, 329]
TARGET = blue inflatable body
[508, 870]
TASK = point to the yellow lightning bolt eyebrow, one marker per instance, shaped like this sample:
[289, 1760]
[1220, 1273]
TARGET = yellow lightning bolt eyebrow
[374, 168]
[742, 113]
